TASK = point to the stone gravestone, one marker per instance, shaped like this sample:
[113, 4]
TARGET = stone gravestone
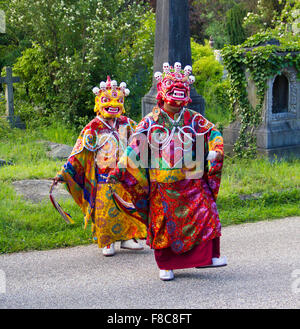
[9, 80]
[172, 44]
[218, 57]
[279, 133]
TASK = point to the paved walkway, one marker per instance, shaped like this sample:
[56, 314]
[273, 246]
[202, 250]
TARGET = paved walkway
[263, 272]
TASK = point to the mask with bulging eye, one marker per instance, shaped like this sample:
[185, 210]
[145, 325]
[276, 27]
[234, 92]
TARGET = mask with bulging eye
[109, 101]
[173, 85]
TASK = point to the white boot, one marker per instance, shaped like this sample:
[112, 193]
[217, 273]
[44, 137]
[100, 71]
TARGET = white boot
[166, 275]
[222, 261]
[131, 244]
[109, 250]
[216, 262]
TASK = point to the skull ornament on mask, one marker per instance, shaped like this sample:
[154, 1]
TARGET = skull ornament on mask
[102, 85]
[187, 70]
[96, 90]
[173, 87]
[177, 67]
[158, 76]
[191, 79]
[109, 101]
[114, 84]
[166, 67]
[123, 85]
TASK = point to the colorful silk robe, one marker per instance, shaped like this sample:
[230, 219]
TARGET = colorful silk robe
[94, 155]
[176, 203]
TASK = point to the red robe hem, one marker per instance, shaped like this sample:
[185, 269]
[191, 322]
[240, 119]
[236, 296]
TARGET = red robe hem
[200, 255]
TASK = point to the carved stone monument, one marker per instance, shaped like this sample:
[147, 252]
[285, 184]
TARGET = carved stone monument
[279, 133]
[172, 44]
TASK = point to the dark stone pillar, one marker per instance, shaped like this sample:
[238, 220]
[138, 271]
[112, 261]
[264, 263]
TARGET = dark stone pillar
[172, 44]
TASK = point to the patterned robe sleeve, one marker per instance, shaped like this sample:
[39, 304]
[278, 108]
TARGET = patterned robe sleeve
[133, 173]
[78, 174]
[214, 142]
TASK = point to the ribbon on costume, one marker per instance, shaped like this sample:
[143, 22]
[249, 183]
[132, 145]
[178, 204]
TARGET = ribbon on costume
[127, 207]
[67, 217]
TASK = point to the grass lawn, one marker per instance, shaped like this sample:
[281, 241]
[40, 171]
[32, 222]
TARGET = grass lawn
[28, 226]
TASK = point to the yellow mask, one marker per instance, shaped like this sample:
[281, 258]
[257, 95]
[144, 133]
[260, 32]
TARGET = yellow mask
[109, 101]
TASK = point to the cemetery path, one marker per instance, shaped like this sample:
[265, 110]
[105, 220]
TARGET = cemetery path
[263, 272]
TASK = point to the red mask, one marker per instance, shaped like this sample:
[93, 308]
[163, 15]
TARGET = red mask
[173, 87]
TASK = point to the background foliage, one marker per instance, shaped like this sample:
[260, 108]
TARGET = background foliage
[211, 83]
[263, 59]
[63, 48]
[234, 24]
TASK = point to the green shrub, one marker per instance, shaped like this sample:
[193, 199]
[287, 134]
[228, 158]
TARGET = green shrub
[234, 25]
[4, 128]
[2, 104]
[199, 51]
[210, 83]
[207, 71]
[217, 103]
[78, 47]
[217, 30]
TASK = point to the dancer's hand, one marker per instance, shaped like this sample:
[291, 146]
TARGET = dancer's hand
[214, 156]
[112, 180]
[219, 156]
[55, 181]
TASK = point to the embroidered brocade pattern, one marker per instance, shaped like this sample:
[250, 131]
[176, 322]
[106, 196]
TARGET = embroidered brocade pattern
[84, 174]
[180, 212]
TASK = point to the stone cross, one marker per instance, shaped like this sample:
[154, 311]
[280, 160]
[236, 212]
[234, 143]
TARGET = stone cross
[9, 80]
[172, 44]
